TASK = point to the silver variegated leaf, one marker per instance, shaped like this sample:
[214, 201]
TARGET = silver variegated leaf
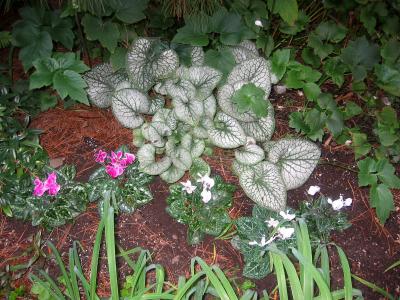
[166, 116]
[296, 159]
[148, 61]
[224, 96]
[128, 105]
[199, 168]
[190, 112]
[154, 132]
[184, 90]
[102, 81]
[147, 162]
[181, 158]
[199, 132]
[262, 129]
[194, 146]
[254, 70]
[244, 51]
[238, 168]
[204, 78]
[173, 174]
[156, 104]
[264, 185]
[227, 132]
[249, 154]
[197, 56]
[210, 107]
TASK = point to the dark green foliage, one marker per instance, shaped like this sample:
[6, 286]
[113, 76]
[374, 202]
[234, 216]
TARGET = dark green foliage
[250, 98]
[201, 218]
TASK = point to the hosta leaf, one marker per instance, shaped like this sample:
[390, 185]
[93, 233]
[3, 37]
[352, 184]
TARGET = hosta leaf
[255, 70]
[226, 132]
[127, 106]
[262, 129]
[249, 154]
[296, 159]
[264, 185]
[204, 79]
[199, 166]
[181, 158]
[147, 162]
[173, 174]
[102, 81]
[244, 51]
[149, 61]
[224, 96]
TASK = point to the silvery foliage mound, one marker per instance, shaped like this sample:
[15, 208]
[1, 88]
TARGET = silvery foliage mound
[201, 112]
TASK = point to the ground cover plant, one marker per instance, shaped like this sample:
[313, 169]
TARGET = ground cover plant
[232, 112]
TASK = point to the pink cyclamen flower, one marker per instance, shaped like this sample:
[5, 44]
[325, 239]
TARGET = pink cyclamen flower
[116, 157]
[114, 170]
[129, 158]
[51, 184]
[100, 156]
[39, 188]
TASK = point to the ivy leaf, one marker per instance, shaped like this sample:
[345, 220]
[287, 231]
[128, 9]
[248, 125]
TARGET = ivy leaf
[279, 62]
[361, 56]
[382, 200]
[70, 83]
[221, 59]
[251, 98]
[129, 11]
[107, 33]
[335, 70]
[287, 9]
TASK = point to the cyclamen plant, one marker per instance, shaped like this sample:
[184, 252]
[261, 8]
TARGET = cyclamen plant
[202, 205]
[50, 185]
[230, 111]
[120, 174]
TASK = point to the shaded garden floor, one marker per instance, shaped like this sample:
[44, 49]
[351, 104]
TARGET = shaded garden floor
[71, 136]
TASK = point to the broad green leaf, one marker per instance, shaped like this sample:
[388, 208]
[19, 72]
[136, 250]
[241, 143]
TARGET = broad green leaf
[43, 75]
[221, 60]
[310, 58]
[388, 79]
[118, 58]
[70, 83]
[40, 47]
[382, 199]
[311, 90]
[107, 33]
[351, 109]
[331, 31]
[130, 11]
[335, 70]
[251, 98]
[298, 26]
[386, 174]
[390, 51]
[321, 49]
[61, 30]
[279, 62]
[367, 172]
[287, 9]
[47, 101]
[195, 32]
[360, 144]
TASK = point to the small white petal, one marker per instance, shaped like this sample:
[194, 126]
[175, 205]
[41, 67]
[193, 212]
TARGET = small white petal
[258, 23]
[188, 187]
[206, 195]
[348, 201]
[285, 232]
[329, 200]
[287, 216]
[348, 142]
[312, 190]
[272, 222]
[337, 204]
[207, 182]
[253, 243]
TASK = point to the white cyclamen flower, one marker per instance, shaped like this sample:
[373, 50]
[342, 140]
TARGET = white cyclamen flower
[205, 195]
[207, 182]
[263, 241]
[258, 23]
[272, 222]
[339, 203]
[312, 190]
[348, 201]
[188, 187]
[287, 215]
[285, 232]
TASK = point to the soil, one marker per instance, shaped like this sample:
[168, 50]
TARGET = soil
[73, 135]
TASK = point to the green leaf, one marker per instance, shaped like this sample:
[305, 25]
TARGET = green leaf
[195, 32]
[390, 51]
[361, 56]
[298, 26]
[351, 110]
[70, 83]
[335, 70]
[130, 11]
[296, 121]
[386, 174]
[265, 43]
[61, 30]
[47, 101]
[388, 79]
[251, 98]
[367, 168]
[279, 62]
[310, 58]
[331, 31]
[311, 90]
[43, 75]
[320, 48]
[107, 33]
[221, 59]
[118, 58]
[40, 47]
[287, 9]
[360, 144]
[382, 199]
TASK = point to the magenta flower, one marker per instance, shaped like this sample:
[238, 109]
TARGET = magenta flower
[51, 184]
[100, 156]
[116, 157]
[114, 170]
[39, 188]
[129, 158]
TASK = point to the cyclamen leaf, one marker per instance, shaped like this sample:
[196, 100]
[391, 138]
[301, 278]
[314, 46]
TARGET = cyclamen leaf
[264, 185]
[296, 160]
[199, 166]
[127, 105]
[70, 83]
